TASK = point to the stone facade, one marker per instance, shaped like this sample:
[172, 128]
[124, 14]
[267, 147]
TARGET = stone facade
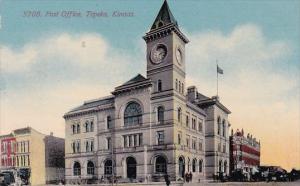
[149, 126]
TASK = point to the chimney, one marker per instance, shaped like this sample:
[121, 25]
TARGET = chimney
[192, 93]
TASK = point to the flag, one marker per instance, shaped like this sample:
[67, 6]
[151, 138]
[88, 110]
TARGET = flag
[219, 70]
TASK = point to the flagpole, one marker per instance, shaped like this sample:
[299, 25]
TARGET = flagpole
[217, 79]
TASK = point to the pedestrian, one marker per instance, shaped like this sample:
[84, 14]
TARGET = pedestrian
[167, 180]
[187, 177]
[190, 176]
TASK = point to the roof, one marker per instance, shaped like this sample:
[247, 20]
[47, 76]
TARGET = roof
[137, 78]
[94, 103]
[26, 130]
[212, 101]
[164, 17]
[6, 136]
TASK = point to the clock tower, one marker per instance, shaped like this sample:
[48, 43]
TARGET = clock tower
[166, 54]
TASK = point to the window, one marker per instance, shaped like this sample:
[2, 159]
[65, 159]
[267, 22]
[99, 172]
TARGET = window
[179, 137]
[219, 125]
[78, 146]
[133, 114]
[220, 166]
[140, 139]
[200, 165]
[92, 146]
[194, 143]
[179, 87]
[194, 165]
[75, 146]
[176, 85]
[74, 129]
[86, 125]
[89, 145]
[78, 129]
[76, 169]
[135, 140]
[188, 141]
[108, 143]
[189, 164]
[125, 141]
[200, 126]
[182, 88]
[200, 145]
[160, 114]
[224, 130]
[159, 86]
[179, 114]
[187, 121]
[224, 148]
[92, 126]
[225, 166]
[194, 123]
[219, 147]
[90, 168]
[109, 123]
[160, 137]
[160, 165]
[108, 167]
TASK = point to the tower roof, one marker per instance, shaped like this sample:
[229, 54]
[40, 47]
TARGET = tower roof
[164, 17]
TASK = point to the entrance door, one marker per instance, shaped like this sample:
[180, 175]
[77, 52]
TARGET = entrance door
[131, 168]
[181, 167]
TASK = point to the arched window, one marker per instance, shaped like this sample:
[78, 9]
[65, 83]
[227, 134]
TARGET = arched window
[108, 167]
[219, 125]
[179, 114]
[224, 130]
[109, 123]
[194, 165]
[133, 114]
[90, 168]
[159, 86]
[76, 169]
[160, 165]
[200, 165]
[160, 114]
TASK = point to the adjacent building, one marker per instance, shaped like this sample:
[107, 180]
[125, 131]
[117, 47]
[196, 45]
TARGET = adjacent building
[150, 126]
[28, 150]
[244, 152]
[7, 152]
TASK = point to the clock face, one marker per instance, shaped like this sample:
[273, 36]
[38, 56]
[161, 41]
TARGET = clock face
[158, 53]
[179, 55]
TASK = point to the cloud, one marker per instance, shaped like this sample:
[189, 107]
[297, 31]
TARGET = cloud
[47, 77]
[256, 86]
[81, 49]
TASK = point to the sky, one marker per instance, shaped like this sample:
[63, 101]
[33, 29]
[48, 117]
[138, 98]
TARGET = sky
[50, 65]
